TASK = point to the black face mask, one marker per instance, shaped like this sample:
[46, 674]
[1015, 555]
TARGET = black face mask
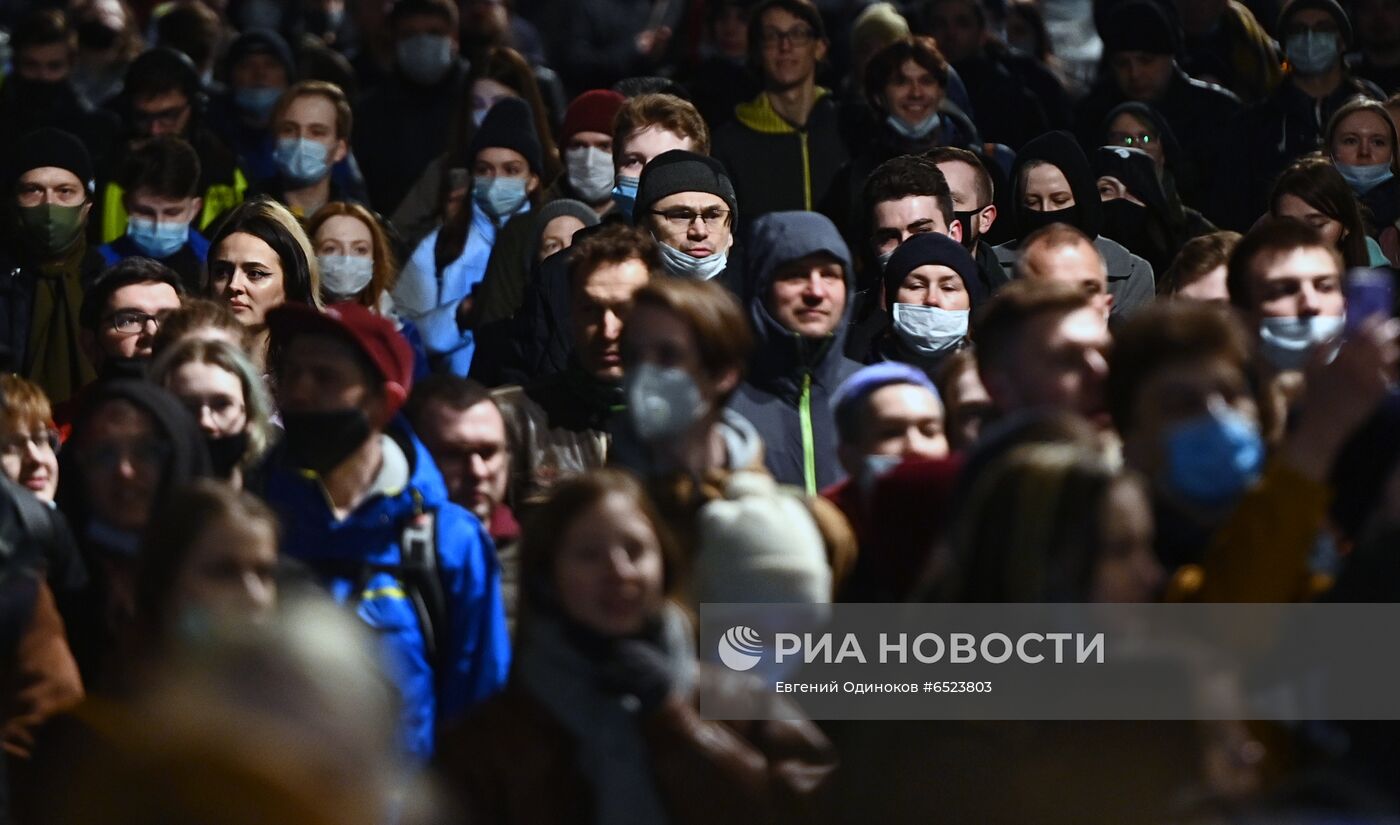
[114, 368]
[226, 451]
[1032, 220]
[1126, 223]
[969, 223]
[321, 441]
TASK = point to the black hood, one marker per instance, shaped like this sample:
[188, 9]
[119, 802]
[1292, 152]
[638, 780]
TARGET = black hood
[778, 238]
[188, 458]
[1060, 149]
[1136, 169]
[1171, 148]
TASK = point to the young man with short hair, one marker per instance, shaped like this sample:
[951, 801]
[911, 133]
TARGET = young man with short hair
[974, 206]
[122, 313]
[1044, 344]
[159, 183]
[784, 147]
[164, 98]
[311, 124]
[1286, 282]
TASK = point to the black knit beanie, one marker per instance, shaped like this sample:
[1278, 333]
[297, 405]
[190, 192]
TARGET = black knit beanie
[509, 125]
[681, 171]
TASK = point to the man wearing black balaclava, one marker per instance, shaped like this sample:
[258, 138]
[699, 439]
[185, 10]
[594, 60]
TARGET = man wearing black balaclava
[1053, 183]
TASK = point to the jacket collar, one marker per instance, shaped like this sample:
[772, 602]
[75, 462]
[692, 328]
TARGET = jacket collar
[758, 114]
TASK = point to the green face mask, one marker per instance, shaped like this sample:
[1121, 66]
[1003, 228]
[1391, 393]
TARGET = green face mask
[51, 228]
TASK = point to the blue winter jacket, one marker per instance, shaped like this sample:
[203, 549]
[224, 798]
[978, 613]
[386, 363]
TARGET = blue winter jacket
[476, 653]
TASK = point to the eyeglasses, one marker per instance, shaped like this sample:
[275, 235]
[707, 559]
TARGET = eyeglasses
[107, 457]
[14, 446]
[1130, 140]
[163, 117]
[134, 321]
[680, 218]
[224, 412]
[796, 37]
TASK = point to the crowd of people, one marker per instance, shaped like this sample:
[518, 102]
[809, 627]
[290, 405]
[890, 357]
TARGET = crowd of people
[387, 384]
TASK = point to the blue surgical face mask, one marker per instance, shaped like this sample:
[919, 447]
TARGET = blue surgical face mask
[424, 58]
[625, 194]
[930, 331]
[1312, 53]
[301, 160]
[157, 239]
[345, 276]
[918, 131]
[1363, 179]
[1213, 458]
[499, 197]
[1286, 343]
[256, 100]
[683, 265]
[874, 467]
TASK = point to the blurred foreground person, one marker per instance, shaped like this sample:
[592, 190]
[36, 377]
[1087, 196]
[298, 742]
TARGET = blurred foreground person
[601, 705]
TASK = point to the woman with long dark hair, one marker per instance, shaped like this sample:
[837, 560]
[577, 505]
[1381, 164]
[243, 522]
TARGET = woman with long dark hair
[260, 259]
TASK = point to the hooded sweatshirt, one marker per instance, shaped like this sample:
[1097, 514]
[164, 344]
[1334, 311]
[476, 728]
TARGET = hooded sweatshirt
[1130, 278]
[105, 548]
[791, 378]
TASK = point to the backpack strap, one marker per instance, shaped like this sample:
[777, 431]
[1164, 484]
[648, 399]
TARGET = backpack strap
[423, 580]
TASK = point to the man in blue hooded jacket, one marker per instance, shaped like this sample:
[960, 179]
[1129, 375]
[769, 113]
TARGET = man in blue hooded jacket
[364, 507]
[801, 279]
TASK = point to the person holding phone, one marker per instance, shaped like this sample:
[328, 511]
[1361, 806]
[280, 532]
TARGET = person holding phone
[435, 288]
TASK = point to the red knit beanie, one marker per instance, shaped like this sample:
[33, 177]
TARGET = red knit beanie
[592, 111]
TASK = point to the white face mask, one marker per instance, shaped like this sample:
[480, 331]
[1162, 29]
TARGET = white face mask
[684, 265]
[590, 173]
[662, 402]
[1287, 342]
[930, 331]
[345, 276]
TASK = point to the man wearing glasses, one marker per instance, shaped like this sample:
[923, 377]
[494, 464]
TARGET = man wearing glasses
[120, 317]
[687, 202]
[784, 147]
[164, 97]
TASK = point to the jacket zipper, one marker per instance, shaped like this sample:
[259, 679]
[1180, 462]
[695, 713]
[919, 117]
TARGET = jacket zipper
[809, 457]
